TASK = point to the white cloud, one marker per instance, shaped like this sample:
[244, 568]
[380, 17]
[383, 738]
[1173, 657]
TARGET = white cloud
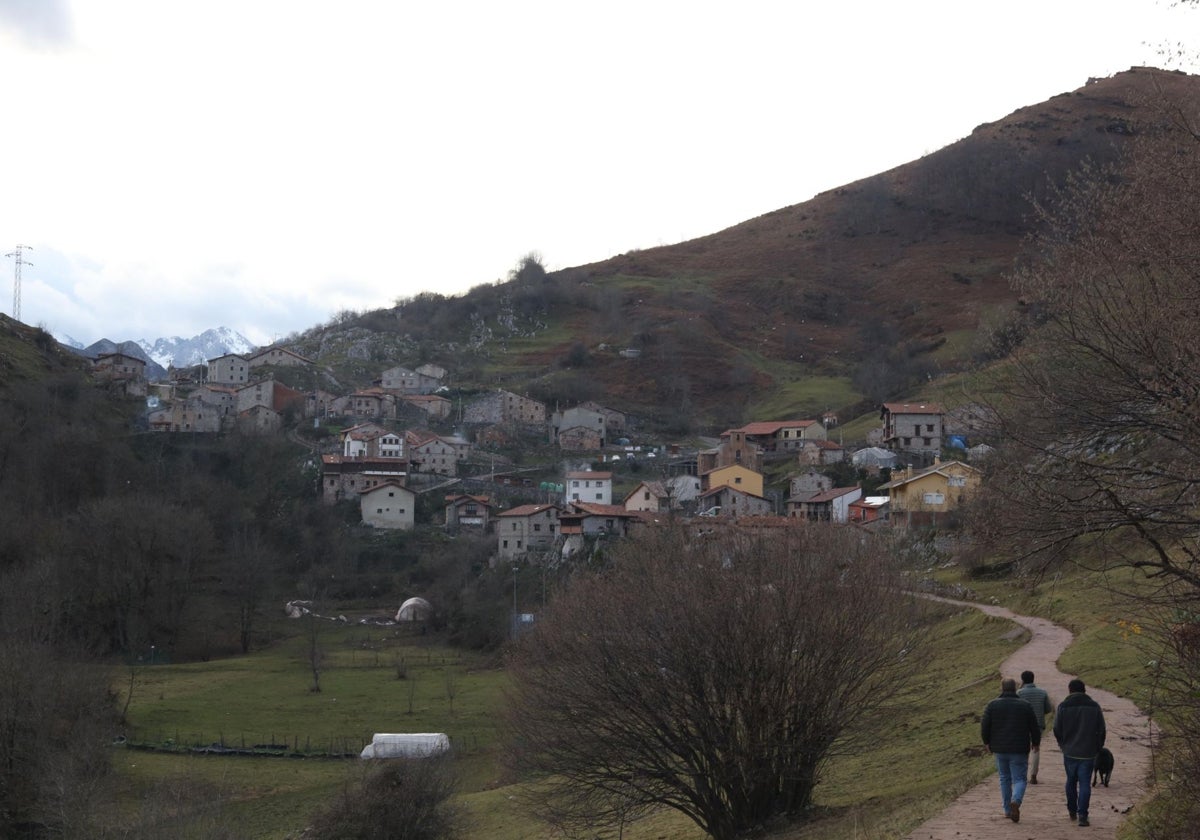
[262, 165]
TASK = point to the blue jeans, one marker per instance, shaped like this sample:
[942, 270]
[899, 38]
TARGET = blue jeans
[1012, 768]
[1079, 784]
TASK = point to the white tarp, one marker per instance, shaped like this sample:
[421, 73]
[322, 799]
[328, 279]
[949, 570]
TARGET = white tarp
[412, 745]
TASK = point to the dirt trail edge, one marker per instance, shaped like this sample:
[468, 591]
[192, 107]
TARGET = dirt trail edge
[978, 814]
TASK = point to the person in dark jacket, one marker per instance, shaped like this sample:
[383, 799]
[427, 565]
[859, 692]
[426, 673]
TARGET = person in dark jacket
[1079, 730]
[1009, 730]
[1040, 700]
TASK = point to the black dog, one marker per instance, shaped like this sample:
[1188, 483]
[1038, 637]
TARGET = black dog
[1104, 767]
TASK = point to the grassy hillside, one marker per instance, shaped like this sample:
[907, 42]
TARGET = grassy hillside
[859, 294]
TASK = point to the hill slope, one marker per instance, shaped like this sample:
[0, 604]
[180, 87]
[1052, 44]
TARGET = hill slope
[837, 302]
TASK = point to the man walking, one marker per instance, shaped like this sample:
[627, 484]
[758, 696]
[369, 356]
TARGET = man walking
[1040, 700]
[1079, 730]
[1009, 729]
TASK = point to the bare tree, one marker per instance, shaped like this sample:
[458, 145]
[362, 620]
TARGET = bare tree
[712, 675]
[406, 798]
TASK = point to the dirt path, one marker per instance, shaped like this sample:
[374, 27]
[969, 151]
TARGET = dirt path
[978, 814]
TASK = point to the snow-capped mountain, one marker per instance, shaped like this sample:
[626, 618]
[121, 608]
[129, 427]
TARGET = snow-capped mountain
[184, 352]
[164, 352]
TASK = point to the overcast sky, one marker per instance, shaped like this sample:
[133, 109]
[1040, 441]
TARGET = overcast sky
[177, 165]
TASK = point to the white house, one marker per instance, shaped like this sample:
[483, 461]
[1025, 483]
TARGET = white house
[589, 486]
[388, 505]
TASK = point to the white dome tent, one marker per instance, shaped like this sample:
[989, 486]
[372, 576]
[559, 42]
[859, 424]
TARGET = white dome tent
[414, 609]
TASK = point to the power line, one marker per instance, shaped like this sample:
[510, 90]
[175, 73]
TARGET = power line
[19, 261]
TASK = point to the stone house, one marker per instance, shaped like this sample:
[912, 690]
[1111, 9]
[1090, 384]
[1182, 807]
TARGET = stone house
[674, 493]
[582, 521]
[826, 506]
[404, 381]
[270, 394]
[465, 512]
[388, 504]
[580, 439]
[731, 501]
[345, 478]
[915, 428]
[505, 407]
[259, 420]
[371, 402]
[230, 369]
[118, 367]
[277, 357]
[820, 452]
[429, 453]
[526, 530]
[431, 404]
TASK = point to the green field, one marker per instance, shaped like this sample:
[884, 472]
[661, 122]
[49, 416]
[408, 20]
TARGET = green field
[266, 698]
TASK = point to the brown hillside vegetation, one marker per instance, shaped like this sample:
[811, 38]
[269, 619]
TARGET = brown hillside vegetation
[877, 285]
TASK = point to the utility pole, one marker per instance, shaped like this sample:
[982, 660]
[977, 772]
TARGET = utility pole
[19, 260]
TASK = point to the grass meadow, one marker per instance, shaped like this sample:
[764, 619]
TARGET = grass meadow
[380, 680]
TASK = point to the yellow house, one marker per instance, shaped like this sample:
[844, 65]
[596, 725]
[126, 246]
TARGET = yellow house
[937, 489]
[735, 476]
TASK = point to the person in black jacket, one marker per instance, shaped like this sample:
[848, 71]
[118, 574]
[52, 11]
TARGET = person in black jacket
[1079, 730]
[1009, 730]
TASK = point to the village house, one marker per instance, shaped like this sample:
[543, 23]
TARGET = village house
[614, 421]
[369, 440]
[826, 506]
[579, 418]
[526, 530]
[122, 373]
[673, 493]
[590, 486]
[736, 476]
[726, 500]
[505, 408]
[582, 521]
[820, 452]
[469, 513]
[429, 453]
[270, 394]
[191, 415]
[345, 478]
[431, 404]
[807, 484]
[917, 496]
[371, 402]
[230, 369]
[277, 357]
[580, 439]
[869, 509]
[388, 504]
[401, 381]
[779, 435]
[913, 428]
[259, 420]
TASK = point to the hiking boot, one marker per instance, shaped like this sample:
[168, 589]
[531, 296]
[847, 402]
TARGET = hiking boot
[1071, 816]
[1083, 821]
[1014, 811]
[1033, 780]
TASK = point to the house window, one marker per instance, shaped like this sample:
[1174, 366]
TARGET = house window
[737, 480]
[599, 496]
[537, 527]
[506, 543]
[646, 495]
[926, 441]
[934, 499]
[514, 526]
[929, 428]
[957, 481]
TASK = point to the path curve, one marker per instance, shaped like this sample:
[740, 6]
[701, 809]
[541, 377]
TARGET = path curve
[977, 814]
